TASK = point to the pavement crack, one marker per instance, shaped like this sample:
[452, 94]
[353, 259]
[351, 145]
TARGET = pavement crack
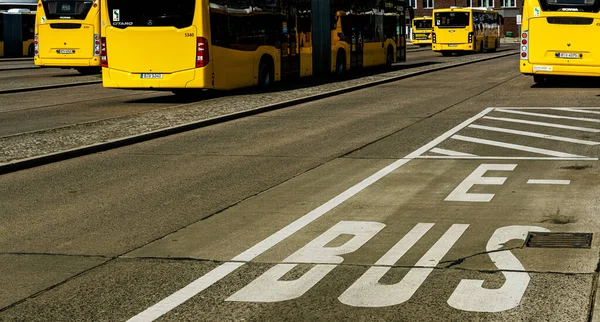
[458, 261]
[56, 254]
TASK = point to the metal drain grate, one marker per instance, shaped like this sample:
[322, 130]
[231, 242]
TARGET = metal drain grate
[559, 240]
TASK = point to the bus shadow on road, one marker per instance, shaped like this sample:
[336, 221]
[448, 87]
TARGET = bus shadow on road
[199, 95]
[568, 82]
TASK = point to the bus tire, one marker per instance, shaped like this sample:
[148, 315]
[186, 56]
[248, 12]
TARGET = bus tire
[266, 72]
[481, 48]
[446, 53]
[389, 58]
[31, 50]
[539, 79]
[340, 62]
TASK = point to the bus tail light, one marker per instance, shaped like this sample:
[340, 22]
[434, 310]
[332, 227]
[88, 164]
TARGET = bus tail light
[201, 52]
[103, 52]
[433, 37]
[96, 45]
[470, 38]
[525, 45]
[36, 45]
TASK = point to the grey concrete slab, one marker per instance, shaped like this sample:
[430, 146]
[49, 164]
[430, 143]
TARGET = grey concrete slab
[24, 275]
[123, 288]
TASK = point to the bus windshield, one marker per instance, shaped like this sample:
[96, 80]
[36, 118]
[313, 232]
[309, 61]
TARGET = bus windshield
[423, 24]
[139, 13]
[73, 9]
[452, 19]
[570, 5]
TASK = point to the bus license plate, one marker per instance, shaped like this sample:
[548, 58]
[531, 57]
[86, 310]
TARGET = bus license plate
[567, 55]
[65, 51]
[151, 76]
[451, 45]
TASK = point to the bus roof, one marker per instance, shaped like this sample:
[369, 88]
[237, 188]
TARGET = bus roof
[464, 9]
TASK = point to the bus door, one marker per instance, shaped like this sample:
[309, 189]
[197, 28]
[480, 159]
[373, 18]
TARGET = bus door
[290, 48]
[356, 42]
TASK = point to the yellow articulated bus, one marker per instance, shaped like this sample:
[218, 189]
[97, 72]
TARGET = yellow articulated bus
[367, 39]
[67, 35]
[17, 33]
[558, 38]
[459, 29]
[422, 27]
[228, 44]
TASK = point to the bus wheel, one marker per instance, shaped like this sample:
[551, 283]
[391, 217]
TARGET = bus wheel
[31, 50]
[266, 75]
[340, 62]
[390, 56]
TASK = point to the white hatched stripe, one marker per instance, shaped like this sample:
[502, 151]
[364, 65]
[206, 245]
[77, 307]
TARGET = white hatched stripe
[559, 126]
[577, 111]
[540, 181]
[532, 134]
[516, 147]
[451, 153]
[445, 157]
[584, 119]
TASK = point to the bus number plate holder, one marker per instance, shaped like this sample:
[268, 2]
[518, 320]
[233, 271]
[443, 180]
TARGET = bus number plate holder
[151, 76]
[452, 45]
[567, 55]
[65, 51]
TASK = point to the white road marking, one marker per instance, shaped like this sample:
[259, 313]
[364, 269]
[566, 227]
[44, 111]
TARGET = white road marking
[516, 147]
[576, 110]
[461, 192]
[532, 134]
[558, 126]
[407, 242]
[470, 295]
[451, 153]
[551, 116]
[368, 292]
[542, 181]
[504, 158]
[177, 298]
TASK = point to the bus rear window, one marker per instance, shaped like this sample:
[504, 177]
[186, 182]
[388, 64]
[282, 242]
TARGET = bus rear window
[73, 9]
[423, 24]
[141, 13]
[452, 19]
[571, 5]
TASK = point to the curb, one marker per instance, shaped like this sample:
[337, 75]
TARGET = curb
[32, 162]
[41, 88]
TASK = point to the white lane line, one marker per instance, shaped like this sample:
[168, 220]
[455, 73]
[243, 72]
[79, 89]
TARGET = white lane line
[516, 147]
[576, 110]
[451, 153]
[551, 116]
[443, 157]
[559, 126]
[542, 181]
[179, 297]
[532, 134]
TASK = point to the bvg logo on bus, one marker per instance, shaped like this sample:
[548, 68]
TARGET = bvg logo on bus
[116, 15]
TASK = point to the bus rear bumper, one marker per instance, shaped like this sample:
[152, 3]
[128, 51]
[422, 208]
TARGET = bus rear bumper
[558, 70]
[421, 41]
[67, 62]
[193, 78]
[452, 47]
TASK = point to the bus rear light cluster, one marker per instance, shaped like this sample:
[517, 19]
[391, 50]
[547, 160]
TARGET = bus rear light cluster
[96, 45]
[525, 45]
[36, 45]
[433, 37]
[202, 58]
[103, 52]
[470, 38]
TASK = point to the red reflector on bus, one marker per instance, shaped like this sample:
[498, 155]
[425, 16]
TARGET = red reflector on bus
[524, 42]
[523, 55]
[202, 58]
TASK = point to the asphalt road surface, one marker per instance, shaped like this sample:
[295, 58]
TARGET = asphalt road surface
[410, 201]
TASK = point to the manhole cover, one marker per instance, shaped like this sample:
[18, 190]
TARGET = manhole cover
[559, 240]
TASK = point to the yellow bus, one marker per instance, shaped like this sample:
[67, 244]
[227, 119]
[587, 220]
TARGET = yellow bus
[422, 27]
[227, 44]
[67, 35]
[558, 39]
[458, 29]
[17, 33]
